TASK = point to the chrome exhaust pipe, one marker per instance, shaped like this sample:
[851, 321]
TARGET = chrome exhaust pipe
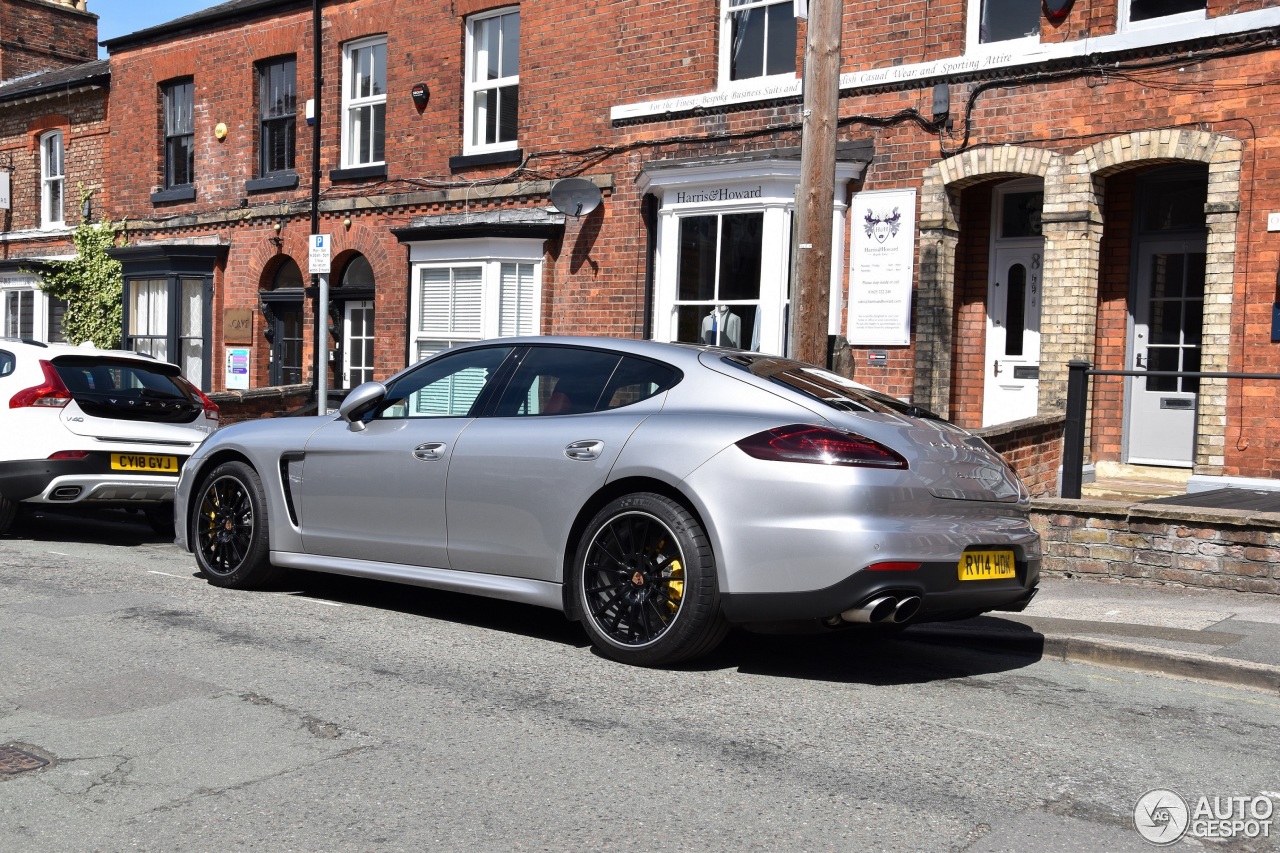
[876, 610]
[907, 609]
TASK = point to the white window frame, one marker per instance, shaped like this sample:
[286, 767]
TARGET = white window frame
[352, 103]
[974, 43]
[491, 254]
[49, 180]
[471, 121]
[1123, 24]
[40, 306]
[767, 186]
[726, 47]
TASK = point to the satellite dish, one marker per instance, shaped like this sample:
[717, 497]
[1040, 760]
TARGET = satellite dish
[575, 196]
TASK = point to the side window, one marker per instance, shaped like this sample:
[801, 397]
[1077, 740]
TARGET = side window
[179, 134]
[1006, 20]
[1158, 12]
[446, 387]
[636, 380]
[759, 38]
[364, 102]
[558, 381]
[7, 363]
[492, 113]
[277, 122]
[52, 178]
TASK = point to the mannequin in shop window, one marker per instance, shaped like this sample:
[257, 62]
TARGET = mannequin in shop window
[722, 327]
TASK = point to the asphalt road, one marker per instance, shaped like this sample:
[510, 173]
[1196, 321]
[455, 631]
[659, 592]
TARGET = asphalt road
[334, 714]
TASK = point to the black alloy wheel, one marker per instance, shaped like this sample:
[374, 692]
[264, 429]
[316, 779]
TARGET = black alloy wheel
[647, 583]
[229, 527]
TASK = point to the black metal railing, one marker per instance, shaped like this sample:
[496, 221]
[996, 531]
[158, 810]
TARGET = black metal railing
[1073, 430]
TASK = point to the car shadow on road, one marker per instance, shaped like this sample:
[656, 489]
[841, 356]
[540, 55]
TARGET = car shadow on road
[119, 527]
[835, 656]
[853, 657]
[490, 614]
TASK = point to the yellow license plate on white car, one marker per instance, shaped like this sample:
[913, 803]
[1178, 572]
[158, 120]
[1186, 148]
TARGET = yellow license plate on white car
[986, 565]
[144, 463]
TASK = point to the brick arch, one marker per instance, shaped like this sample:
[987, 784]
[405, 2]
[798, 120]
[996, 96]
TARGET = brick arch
[1080, 201]
[365, 241]
[268, 262]
[38, 127]
[939, 238]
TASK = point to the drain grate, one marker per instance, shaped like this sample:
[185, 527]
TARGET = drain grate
[14, 760]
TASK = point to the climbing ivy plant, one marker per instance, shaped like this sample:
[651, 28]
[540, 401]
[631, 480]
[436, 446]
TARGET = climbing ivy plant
[92, 285]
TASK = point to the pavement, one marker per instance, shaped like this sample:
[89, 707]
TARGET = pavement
[1218, 636]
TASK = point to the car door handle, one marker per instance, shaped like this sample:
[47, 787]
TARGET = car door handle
[432, 451]
[585, 451]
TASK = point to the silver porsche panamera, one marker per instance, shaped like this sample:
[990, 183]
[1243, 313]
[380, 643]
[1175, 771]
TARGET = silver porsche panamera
[657, 493]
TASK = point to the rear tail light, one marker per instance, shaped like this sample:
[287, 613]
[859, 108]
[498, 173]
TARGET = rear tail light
[893, 566]
[49, 394]
[821, 446]
[69, 454]
[210, 407]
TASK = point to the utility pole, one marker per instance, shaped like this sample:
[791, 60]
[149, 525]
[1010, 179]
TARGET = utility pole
[811, 297]
[321, 281]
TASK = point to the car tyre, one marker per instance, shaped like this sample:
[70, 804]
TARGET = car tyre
[8, 511]
[645, 581]
[229, 528]
[161, 519]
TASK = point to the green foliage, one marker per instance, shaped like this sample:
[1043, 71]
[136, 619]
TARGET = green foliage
[92, 285]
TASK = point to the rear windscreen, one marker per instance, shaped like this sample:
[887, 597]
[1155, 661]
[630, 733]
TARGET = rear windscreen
[125, 389]
[823, 386]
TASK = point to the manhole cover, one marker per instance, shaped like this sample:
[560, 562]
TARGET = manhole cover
[14, 760]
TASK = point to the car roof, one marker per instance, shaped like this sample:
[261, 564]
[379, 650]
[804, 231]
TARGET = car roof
[676, 353]
[53, 350]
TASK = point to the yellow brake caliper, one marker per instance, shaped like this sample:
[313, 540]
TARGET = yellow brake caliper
[674, 575]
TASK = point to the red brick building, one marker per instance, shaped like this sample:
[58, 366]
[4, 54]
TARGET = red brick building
[1016, 187]
[53, 101]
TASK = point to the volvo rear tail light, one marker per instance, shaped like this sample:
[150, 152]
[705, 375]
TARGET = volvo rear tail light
[820, 446]
[49, 394]
[210, 407]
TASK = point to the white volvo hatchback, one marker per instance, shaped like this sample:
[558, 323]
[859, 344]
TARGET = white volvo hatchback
[84, 427]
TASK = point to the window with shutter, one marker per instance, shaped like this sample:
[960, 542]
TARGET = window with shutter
[494, 293]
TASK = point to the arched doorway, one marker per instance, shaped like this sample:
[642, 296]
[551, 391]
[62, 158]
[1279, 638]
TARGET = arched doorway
[282, 308]
[351, 323]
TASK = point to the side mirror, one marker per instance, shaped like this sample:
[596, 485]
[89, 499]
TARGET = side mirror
[358, 403]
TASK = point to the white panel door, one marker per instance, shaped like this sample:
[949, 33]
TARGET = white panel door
[1012, 382]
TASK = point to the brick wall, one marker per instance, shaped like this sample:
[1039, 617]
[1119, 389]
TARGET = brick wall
[1033, 446]
[593, 279]
[1179, 546]
[39, 35]
[82, 119]
[280, 401]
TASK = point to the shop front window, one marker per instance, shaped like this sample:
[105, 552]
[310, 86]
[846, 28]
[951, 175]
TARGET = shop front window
[718, 289]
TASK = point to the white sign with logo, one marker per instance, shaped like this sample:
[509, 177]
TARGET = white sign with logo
[883, 241]
[318, 256]
[239, 360]
[4, 190]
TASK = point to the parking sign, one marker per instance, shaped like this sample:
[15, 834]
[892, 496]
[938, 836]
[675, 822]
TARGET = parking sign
[318, 257]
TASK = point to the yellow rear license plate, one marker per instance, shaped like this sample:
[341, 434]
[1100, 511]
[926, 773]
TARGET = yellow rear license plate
[986, 565]
[144, 463]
